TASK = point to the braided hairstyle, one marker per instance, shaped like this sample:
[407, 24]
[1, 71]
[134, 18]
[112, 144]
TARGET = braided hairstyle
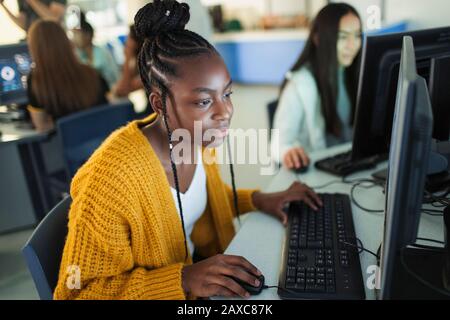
[166, 44]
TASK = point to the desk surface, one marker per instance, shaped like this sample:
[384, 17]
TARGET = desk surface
[19, 131]
[260, 238]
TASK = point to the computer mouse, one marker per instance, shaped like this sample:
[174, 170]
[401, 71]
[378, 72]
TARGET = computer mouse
[303, 169]
[249, 288]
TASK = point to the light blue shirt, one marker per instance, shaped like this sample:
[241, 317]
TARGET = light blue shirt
[103, 62]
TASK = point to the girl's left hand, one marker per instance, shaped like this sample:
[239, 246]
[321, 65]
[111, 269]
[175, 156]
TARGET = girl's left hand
[274, 203]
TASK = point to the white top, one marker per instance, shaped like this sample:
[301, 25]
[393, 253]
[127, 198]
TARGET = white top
[299, 116]
[194, 200]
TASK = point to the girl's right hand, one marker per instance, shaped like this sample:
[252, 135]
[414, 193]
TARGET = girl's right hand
[296, 158]
[212, 277]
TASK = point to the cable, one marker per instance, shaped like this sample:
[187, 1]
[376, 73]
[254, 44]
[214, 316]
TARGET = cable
[327, 184]
[352, 197]
[280, 288]
[430, 240]
[442, 201]
[356, 183]
[432, 212]
[418, 278]
[360, 248]
[233, 183]
[422, 246]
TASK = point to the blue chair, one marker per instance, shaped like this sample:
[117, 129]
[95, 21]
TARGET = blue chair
[43, 251]
[83, 132]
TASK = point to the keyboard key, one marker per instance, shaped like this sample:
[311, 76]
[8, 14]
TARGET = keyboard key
[302, 243]
[290, 285]
[315, 244]
[299, 286]
[301, 270]
[344, 263]
[331, 289]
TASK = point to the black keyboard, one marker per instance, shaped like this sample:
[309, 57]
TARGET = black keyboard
[320, 258]
[343, 164]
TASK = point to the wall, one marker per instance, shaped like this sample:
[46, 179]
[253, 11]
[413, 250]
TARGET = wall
[422, 14]
[10, 32]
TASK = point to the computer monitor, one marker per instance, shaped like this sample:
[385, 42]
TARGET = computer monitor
[15, 65]
[378, 84]
[439, 85]
[408, 158]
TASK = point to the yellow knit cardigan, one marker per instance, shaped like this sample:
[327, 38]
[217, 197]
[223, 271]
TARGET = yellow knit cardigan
[125, 238]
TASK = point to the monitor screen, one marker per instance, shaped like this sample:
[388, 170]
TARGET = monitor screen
[440, 97]
[408, 159]
[15, 65]
[378, 81]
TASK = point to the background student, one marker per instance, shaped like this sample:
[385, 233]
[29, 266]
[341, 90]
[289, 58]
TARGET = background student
[58, 83]
[318, 96]
[129, 79]
[97, 57]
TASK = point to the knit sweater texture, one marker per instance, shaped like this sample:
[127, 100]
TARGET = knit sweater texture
[125, 237]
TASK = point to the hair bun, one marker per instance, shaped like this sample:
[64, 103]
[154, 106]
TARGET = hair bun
[161, 17]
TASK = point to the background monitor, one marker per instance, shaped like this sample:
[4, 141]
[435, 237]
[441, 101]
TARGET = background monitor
[15, 65]
[408, 158]
[378, 85]
[439, 85]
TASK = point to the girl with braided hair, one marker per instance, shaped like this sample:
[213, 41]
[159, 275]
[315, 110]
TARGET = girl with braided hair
[138, 216]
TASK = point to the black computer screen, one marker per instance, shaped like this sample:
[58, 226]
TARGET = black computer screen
[378, 84]
[15, 65]
[408, 159]
[439, 85]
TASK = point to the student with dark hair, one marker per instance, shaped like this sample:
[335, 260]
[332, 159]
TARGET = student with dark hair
[130, 79]
[138, 215]
[318, 96]
[95, 56]
[58, 84]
